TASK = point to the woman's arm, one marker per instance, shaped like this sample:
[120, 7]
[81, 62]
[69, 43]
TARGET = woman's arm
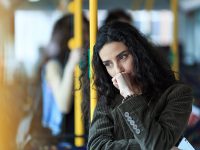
[149, 133]
[158, 131]
[101, 133]
[62, 84]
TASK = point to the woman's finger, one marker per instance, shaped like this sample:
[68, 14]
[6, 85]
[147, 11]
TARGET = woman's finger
[115, 82]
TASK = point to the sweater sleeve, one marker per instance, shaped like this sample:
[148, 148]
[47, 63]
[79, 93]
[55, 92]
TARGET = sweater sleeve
[158, 131]
[101, 133]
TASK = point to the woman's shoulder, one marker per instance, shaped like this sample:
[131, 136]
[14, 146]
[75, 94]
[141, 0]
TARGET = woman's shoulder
[178, 89]
[177, 93]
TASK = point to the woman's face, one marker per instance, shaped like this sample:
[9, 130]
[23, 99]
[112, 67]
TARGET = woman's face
[117, 58]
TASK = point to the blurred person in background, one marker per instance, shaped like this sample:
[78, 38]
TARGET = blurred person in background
[57, 79]
[57, 76]
[118, 15]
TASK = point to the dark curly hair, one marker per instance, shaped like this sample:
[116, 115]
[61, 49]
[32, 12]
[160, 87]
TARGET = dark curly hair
[152, 72]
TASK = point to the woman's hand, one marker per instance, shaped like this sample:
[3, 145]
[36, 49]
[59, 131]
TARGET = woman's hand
[75, 56]
[122, 82]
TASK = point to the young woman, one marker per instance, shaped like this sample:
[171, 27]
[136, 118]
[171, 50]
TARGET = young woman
[57, 78]
[140, 103]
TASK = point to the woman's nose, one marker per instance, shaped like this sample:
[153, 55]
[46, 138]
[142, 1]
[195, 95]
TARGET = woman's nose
[119, 68]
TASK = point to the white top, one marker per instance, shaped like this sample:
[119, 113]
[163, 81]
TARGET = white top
[62, 84]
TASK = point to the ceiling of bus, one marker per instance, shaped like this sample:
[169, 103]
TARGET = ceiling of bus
[130, 4]
[102, 4]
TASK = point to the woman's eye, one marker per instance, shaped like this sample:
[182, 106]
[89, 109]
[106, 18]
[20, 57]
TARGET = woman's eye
[124, 56]
[107, 65]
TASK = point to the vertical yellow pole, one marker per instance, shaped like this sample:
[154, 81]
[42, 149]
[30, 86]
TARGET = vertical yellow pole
[174, 46]
[149, 4]
[76, 8]
[79, 129]
[93, 33]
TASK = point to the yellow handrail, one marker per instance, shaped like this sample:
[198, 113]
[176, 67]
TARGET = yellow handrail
[93, 32]
[75, 7]
[174, 46]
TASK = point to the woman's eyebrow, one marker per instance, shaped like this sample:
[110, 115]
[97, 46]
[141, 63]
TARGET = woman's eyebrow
[105, 62]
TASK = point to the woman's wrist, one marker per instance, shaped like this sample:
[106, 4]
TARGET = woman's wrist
[130, 94]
